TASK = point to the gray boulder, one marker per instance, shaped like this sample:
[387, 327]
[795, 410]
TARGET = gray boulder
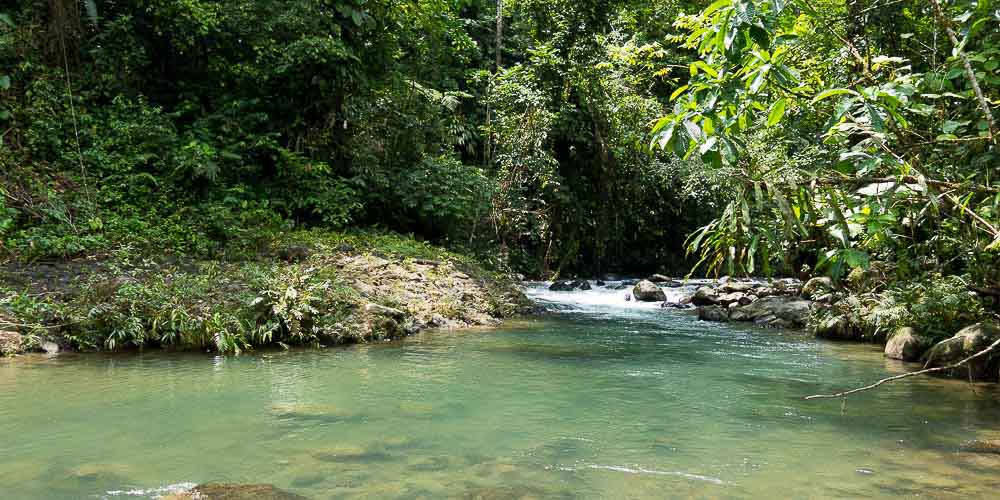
[570, 285]
[736, 287]
[968, 341]
[713, 313]
[659, 278]
[647, 291]
[775, 311]
[705, 296]
[731, 298]
[906, 345]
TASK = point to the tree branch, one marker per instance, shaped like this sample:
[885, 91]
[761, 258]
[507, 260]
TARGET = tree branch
[906, 375]
[984, 105]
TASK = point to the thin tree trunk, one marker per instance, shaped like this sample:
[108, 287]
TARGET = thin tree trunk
[984, 105]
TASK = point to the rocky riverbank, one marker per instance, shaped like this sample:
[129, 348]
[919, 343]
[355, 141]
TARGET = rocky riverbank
[313, 289]
[816, 305]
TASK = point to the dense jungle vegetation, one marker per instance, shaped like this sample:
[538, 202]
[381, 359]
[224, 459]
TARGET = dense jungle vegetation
[851, 138]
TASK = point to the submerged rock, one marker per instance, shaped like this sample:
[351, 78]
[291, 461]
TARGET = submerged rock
[220, 491]
[906, 345]
[713, 313]
[10, 343]
[982, 446]
[968, 341]
[647, 291]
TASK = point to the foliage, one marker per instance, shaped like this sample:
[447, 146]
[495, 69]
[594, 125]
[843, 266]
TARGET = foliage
[906, 171]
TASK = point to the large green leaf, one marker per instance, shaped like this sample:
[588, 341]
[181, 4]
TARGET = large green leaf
[777, 112]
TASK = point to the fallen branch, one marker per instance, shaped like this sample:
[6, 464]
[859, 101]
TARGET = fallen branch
[994, 345]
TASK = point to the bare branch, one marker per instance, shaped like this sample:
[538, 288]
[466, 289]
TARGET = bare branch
[994, 345]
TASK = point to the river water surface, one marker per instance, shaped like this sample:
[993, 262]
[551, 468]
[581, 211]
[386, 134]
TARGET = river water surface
[602, 399]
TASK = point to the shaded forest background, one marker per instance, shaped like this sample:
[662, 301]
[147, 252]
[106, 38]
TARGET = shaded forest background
[549, 137]
[208, 128]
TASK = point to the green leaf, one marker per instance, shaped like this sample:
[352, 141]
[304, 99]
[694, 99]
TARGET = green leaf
[706, 68]
[4, 82]
[718, 4]
[832, 92]
[680, 90]
[777, 112]
[761, 77]
[5, 19]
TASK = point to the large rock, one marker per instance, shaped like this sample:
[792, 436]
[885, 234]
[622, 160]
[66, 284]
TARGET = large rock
[659, 278]
[968, 341]
[816, 287]
[10, 343]
[775, 311]
[713, 313]
[906, 345]
[647, 291]
[836, 327]
[569, 286]
[705, 296]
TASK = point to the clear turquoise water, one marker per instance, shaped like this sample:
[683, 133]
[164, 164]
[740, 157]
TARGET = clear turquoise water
[599, 402]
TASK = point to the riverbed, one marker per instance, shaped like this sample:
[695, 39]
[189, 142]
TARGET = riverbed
[600, 398]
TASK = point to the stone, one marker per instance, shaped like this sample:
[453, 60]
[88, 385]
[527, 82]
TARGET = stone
[713, 313]
[50, 347]
[730, 298]
[775, 311]
[747, 300]
[570, 285]
[562, 286]
[10, 343]
[379, 310]
[817, 286]
[294, 253]
[968, 341]
[705, 296]
[906, 345]
[647, 291]
[659, 278]
[836, 327]
[736, 287]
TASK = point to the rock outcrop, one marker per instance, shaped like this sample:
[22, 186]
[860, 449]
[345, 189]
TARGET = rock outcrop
[783, 312]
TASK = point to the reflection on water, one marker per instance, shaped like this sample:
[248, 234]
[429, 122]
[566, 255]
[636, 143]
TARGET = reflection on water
[604, 401]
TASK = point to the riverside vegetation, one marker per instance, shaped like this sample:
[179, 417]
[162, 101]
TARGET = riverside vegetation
[178, 151]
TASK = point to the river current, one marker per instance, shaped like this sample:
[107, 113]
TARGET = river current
[600, 398]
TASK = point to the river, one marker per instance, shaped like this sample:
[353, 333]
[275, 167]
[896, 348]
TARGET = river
[602, 398]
